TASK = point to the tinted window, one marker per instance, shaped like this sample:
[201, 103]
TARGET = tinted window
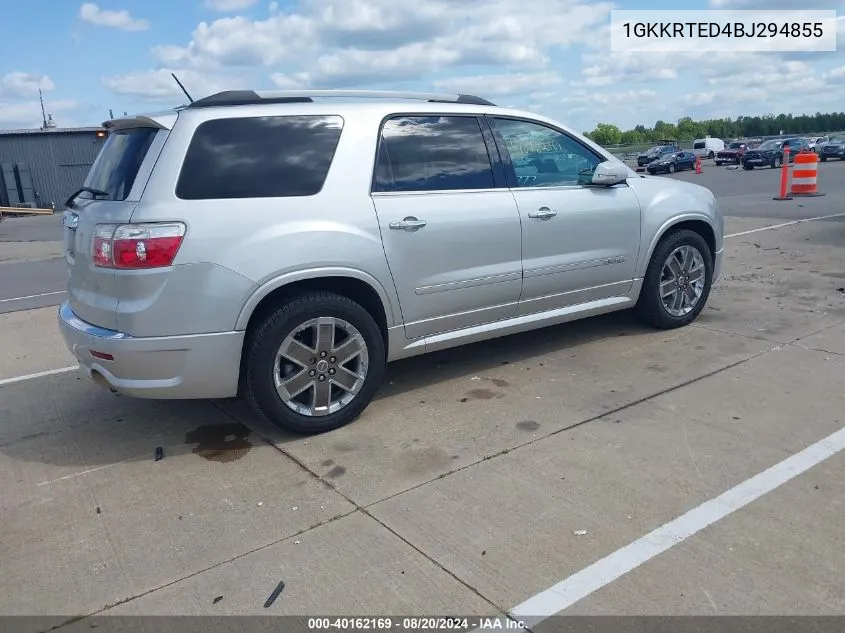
[698, 145]
[432, 153]
[543, 157]
[259, 157]
[118, 163]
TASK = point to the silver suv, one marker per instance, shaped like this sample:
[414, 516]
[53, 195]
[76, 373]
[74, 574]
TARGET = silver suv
[286, 246]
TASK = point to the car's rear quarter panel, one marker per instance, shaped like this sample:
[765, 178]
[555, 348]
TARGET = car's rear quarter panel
[236, 250]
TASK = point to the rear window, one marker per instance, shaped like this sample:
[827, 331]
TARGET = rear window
[259, 157]
[118, 162]
[432, 153]
[698, 145]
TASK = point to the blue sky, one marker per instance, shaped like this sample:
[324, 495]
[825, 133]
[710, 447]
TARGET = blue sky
[551, 56]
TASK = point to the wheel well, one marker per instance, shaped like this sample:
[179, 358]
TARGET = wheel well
[354, 289]
[696, 226]
[359, 291]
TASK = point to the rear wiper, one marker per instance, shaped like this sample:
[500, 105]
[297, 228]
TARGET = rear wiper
[94, 192]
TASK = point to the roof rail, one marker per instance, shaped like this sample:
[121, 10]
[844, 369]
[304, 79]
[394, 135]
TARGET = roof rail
[262, 97]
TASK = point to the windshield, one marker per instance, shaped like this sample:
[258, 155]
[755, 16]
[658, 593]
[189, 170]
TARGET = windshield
[771, 144]
[838, 140]
[735, 146]
[119, 161]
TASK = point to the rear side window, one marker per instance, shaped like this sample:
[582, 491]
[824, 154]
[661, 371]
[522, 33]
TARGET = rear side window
[698, 145]
[118, 163]
[259, 157]
[432, 153]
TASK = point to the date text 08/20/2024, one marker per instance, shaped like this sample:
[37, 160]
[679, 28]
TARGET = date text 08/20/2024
[418, 624]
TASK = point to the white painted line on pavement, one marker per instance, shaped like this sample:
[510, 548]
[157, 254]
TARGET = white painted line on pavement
[780, 226]
[40, 374]
[43, 294]
[581, 584]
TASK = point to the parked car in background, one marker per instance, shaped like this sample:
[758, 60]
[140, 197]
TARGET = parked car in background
[770, 153]
[707, 147]
[364, 232]
[814, 142]
[655, 153]
[834, 148]
[732, 154]
[670, 163]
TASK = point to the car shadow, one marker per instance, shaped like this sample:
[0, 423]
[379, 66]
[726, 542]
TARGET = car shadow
[75, 425]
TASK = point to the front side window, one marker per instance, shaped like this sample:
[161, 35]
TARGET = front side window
[544, 157]
[259, 157]
[432, 153]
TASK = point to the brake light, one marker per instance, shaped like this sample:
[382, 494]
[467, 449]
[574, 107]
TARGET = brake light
[137, 246]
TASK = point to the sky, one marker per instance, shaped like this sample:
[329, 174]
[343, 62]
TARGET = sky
[548, 56]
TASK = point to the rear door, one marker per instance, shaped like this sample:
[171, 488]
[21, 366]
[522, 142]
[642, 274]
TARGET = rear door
[449, 225]
[118, 175]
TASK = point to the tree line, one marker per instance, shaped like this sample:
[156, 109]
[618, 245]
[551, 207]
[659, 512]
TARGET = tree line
[740, 127]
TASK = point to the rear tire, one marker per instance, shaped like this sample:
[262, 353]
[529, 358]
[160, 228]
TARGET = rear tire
[289, 331]
[823, 159]
[748, 167]
[651, 308]
[776, 162]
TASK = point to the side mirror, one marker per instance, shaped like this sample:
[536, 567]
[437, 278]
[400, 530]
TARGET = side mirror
[609, 173]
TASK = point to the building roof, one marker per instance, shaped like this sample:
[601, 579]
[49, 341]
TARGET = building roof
[53, 130]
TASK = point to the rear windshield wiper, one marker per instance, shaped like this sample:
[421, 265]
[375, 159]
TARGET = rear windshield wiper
[97, 193]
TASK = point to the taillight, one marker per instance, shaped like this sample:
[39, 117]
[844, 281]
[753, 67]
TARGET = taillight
[137, 246]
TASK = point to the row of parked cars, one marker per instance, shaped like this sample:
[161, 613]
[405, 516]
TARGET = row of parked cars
[668, 157]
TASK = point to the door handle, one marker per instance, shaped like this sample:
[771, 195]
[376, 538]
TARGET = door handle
[543, 213]
[408, 224]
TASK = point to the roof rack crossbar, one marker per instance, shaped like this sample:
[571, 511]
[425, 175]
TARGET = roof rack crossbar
[261, 97]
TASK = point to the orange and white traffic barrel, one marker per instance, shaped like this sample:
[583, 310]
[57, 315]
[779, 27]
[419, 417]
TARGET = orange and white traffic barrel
[805, 173]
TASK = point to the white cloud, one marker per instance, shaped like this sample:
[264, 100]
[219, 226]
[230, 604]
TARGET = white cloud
[355, 41]
[159, 85]
[836, 75]
[90, 12]
[19, 84]
[288, 82]
[27, 114]
[227, 6]
[500, 85]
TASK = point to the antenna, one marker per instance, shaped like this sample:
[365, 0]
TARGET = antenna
[182, 87]
[43, 114]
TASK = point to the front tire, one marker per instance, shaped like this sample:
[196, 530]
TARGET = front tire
[776, 162]
[677, 281]
[314, 363]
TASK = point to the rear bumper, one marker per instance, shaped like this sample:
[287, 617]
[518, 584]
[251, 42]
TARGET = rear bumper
[168, 367]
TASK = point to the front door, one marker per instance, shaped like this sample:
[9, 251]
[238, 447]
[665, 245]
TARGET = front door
[579, 243]
[452, 238]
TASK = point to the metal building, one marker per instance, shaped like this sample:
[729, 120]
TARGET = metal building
[41, 168]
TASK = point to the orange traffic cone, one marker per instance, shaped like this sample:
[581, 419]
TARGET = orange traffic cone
[698, 164]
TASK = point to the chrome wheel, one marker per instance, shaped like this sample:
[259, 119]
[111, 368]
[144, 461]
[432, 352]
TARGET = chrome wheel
[682, 280]
[321, 366]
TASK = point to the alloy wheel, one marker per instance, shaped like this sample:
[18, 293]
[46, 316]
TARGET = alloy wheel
[321, 366]
[682, 280]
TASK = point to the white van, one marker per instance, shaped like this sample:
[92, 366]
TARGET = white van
[707, 147]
